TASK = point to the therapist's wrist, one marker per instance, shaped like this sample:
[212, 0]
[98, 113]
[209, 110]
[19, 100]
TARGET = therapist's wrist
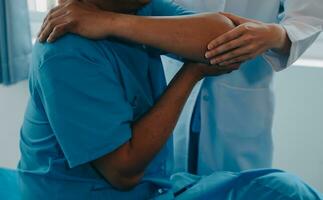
[281, 42]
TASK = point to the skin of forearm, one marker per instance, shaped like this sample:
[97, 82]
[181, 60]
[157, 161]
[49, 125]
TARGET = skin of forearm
[125, 166]
[283, 42]
[152, 131]
[186, 36]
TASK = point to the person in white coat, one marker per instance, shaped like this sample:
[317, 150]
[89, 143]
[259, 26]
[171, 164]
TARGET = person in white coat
[233, 114]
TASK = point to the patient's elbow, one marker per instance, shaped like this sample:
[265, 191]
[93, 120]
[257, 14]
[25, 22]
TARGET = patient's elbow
[125, 171]
[118, 172]
[217, 25]
[124, 183]
[223, 24]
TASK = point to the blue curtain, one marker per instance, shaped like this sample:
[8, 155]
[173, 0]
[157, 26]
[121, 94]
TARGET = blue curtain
[15, 41]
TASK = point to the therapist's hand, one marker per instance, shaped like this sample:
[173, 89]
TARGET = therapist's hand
[72, 16]
[249, 39]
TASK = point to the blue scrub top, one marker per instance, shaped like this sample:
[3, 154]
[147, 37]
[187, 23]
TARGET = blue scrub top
[85, 95]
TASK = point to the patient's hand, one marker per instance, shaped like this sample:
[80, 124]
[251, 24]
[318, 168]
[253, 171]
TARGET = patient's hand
[74, 17]
[249, 39]
[201, 70]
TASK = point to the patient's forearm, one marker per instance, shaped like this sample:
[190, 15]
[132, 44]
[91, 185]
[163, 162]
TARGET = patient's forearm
[186, 36]
[125, 166]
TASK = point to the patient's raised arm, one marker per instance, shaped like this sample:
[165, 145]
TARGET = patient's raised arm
[185, 36]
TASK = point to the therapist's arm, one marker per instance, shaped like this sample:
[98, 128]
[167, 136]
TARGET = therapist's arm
[248, 40]
[186, 36]
[124, 167]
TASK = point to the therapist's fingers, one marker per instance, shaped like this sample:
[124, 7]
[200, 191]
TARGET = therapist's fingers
[233, 44]
[246, 53]
[231, 54]
[237, 20]
[225, 38]
[58, 31]
[50, 27]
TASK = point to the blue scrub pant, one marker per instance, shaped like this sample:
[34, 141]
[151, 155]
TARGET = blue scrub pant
[9, 184]
[266, 184]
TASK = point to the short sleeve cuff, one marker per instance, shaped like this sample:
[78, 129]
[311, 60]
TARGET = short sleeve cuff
[124, 135]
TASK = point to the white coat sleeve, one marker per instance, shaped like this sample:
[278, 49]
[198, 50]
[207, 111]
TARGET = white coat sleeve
[303, 21]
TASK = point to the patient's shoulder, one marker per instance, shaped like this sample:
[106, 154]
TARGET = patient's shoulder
[73, 53]
[71, 45]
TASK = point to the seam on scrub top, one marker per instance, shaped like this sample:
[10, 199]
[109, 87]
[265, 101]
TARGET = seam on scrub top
[67, 55]
[50, 57]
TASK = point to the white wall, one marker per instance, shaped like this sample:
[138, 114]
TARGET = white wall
[12, 106]
[298, 127]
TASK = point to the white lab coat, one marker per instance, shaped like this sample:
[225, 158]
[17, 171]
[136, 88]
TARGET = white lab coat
[237, 109]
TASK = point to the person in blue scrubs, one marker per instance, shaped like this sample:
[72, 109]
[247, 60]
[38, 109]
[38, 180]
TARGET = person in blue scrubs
[98, 126]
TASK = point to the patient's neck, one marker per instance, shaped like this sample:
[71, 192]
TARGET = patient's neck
[119, 6]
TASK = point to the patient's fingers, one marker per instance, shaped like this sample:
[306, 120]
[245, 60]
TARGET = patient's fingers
[57, 32]
[55, 12]
[229, 69]
[64, 1]
[226, 37]
[242, 58]
[61, 2]
[49, 16]
[219, 70]
[50, 27]
[234, 66]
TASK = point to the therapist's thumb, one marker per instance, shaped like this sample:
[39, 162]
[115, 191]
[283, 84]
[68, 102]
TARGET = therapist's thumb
[237, 20]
